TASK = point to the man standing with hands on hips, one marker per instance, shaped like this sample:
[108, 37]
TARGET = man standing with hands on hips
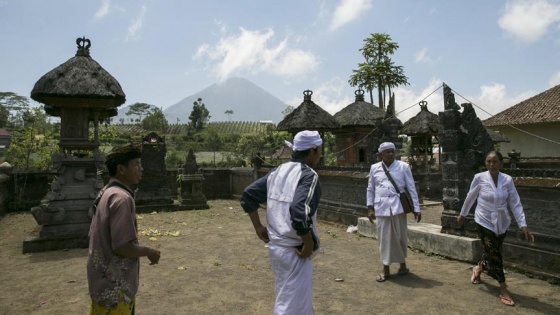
[291, 192]
[384, 206]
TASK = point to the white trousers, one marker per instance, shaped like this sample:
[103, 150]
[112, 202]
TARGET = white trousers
[293, 281]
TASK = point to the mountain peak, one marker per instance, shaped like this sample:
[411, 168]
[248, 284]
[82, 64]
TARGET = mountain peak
[248, 102]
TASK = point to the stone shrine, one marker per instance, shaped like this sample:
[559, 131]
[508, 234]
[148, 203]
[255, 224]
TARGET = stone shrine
[80, 92]
[191, 180]
[153, 191]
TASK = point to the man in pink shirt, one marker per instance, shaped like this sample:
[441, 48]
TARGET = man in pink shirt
[114, 252]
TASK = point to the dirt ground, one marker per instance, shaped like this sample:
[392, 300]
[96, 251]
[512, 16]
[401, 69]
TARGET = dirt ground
[212, 263]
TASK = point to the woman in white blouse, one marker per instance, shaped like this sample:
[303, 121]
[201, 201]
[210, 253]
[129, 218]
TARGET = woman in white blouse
[494, 192]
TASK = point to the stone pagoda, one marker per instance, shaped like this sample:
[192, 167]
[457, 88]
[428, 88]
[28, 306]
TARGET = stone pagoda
[81, 93]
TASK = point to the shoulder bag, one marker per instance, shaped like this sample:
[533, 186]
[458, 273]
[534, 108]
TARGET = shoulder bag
[404, 197]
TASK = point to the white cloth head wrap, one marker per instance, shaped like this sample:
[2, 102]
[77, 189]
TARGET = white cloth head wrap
[305, 140]
[386, 146]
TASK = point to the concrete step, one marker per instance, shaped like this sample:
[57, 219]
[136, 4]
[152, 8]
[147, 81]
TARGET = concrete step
[428, 238]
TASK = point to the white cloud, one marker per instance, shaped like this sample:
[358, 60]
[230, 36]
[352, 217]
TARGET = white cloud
[250, 51]
[136, 25]
[347, 11]
[423, 57]
[529, 20]
[555, 80]
[103, 9]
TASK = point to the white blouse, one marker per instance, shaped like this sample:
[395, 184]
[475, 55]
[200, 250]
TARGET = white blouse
[493, 201]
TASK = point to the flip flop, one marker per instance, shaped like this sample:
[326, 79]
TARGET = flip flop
[382, 278]
[475, 278]
[402, 272]
[506, 300]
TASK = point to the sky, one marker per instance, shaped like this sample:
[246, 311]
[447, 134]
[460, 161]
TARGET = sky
[493, 54]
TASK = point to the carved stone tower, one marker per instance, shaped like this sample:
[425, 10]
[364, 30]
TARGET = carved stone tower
[80, 92]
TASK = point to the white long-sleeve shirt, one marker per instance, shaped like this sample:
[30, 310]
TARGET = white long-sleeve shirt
[381, 194]
[493, 201]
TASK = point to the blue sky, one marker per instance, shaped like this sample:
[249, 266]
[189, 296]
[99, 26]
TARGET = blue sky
[494, 53]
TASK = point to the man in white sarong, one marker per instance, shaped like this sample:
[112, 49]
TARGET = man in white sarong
[292, 193]
[384, 206]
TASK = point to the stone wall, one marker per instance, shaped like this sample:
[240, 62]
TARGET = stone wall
[344, 201]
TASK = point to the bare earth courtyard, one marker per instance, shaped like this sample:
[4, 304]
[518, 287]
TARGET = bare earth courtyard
[212, 263]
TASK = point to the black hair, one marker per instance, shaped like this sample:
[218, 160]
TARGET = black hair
[298, 155]
[496, 153]
[122, 155]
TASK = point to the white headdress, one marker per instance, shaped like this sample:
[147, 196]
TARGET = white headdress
[305, 140]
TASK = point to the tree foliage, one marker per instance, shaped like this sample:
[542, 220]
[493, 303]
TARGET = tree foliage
[378, 71]
[199, 115]
[251, 143]
[139, 109]
[229, 112]
[12, 109]
[155, 121]
[213, 141]
[32, 146]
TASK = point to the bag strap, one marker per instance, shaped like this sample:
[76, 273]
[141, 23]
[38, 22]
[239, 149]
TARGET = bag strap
[390, 178]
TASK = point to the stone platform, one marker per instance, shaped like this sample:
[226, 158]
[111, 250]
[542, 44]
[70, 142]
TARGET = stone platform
[427, 237]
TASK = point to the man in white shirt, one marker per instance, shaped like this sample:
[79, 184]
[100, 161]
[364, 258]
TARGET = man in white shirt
[384, 206]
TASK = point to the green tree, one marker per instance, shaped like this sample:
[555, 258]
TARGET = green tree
[32, 146]
[139, 109]
[213, 141]
[12, 108]
[378, 71]
[288, 110]
[199, 115]
[229, 112]
[155, 121]
[251, 143]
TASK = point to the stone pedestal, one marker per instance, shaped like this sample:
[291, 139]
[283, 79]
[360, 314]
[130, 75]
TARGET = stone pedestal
[191, 192]
[63, 213]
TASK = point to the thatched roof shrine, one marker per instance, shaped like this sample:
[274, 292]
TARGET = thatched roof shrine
[307, 116]
[425, 122]
[79, 82]
[359, 113]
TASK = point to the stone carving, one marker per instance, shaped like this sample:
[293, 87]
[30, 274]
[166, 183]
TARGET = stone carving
[153, 189]
[390, 127]
[191, 180]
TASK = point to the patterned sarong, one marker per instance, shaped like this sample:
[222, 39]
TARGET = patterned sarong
[492, 260]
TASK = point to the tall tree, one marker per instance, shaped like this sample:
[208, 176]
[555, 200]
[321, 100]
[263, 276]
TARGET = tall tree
[155, 121]
[229, 112]
[139, 109]
[199, 115]
[378, 71]
[12, 109]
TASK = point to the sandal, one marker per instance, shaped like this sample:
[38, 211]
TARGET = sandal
[382, 278]
[402, 271]
[475, 278]
[506, 300]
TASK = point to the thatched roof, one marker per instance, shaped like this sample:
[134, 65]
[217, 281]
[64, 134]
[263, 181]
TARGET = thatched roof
[80, 78]
[542, 108]
[425, 123]
[284, 152]
[307, 116]
[359, 113]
